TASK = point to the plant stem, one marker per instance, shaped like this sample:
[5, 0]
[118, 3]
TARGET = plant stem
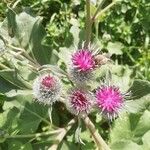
[90, 21]
[60, 137]
[88, 25]
[98, 9]
[25, 54]
[104, 10]
[61, 132]
[101, 144]
[32, 135]
[3, 66]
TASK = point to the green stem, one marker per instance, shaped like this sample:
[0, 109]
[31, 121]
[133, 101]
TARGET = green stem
[90, 21]
[32, 135]
[3, 66]
[101, 144]
[60, 137]
[88, 25]
[25, 54]
[98, 9]
[104, 10]
[61, 132]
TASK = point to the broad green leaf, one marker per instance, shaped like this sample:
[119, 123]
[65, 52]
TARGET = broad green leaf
[5, 86]
[138, 105]
[121, 130]
[115, 48]
[8, 120]
[130, 127]
[143, 125]
[31, 116]
[65, 54]
[28, 33]
[140, 88]
[75, 32]
[41, 52]
[55, 69]
[145, 139]
[11, 18]
[18, 145]
[67, 146]
[14, 78]
[125, 145]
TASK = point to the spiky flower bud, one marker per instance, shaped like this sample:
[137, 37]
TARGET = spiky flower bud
[80, 102]
[110, 101]
[83, 63]
[46, 89]
[83, 60]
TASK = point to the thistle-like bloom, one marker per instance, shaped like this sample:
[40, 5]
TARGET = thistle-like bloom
[83, 60]
[110, 100]
[80, 102]
[46, 89]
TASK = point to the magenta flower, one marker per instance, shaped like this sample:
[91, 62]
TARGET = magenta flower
[46, 89]
[48, 81]
[83, 60]
[80, 102]
[110, 100]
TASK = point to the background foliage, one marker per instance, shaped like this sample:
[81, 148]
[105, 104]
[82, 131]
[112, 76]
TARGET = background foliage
[43, 32]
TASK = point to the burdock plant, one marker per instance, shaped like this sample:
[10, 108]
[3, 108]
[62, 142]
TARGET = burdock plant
[79, 99]
[76, 90]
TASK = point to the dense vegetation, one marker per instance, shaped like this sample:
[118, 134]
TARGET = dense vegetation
[36, 35]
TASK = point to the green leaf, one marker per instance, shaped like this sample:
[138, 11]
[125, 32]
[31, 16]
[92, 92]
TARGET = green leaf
[125, 145]
[140, 88]
[145, 139]
[67, 146]
[28, 33]
[143, 125]
[55, 69]
[31, 116]
[138, 105]
[16, 145]
[14, 78]
[75, 32]
[41, 52]
[8, 120]
[5, 86]
[121, 130]
[115, 48]
[65, 54]
[11, 18]
[130, 128]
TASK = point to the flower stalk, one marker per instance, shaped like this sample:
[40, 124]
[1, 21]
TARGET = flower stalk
[101, 144]
[104, 10]
[60, 136]
[88, 24]
[90, 20]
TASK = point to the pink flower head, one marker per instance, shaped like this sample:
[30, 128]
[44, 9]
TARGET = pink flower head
[48, 81]
[46, 89]
[83, 60]
[80, 102]
[109, 100]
